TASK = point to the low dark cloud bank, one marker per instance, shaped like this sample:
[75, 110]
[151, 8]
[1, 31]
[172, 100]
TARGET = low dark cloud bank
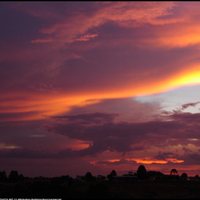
[103, 133]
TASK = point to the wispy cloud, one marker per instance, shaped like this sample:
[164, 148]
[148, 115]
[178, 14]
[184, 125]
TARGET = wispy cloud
[189, 104]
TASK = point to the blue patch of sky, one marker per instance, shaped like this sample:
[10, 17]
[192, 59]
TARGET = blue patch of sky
[174, 99]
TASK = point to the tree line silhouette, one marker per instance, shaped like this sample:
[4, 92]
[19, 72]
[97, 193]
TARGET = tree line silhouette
[15, 185]
[141, 174]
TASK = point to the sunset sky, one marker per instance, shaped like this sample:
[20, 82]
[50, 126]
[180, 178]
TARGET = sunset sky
[96, 86]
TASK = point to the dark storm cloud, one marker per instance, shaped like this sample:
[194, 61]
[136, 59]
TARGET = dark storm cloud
[90, 118]
[187, 117]
[173, 129]
[116, 136]
[163, 155]
[38, 154]
[189, 156]
[192, 158]
[103, 133]
[24, 153]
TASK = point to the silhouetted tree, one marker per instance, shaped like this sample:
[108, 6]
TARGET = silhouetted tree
[174, 172]
[13, 176]
[89, 177]
[141, 172]
[184, 175]
[112, 175]
[3, 176]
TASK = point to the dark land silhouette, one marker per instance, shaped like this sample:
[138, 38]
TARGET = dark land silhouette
[142, 184]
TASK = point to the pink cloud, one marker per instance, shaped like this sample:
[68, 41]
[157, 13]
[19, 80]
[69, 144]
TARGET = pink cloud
[41, 40]
[86, 37]
[189, 104]
[67, 27]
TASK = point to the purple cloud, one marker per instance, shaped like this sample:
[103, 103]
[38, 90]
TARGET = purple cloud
[184, 106]
[90, 118]
[122, 136]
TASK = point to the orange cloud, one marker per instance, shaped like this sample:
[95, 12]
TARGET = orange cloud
[38, 106]
[135, 13]
[114, 160]
[86, 37]
[147, 161]
[123, 13]
[76, 145]
[35, 106]
[5, 146]
[174, 160]
[188, 76]
[175, 35]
